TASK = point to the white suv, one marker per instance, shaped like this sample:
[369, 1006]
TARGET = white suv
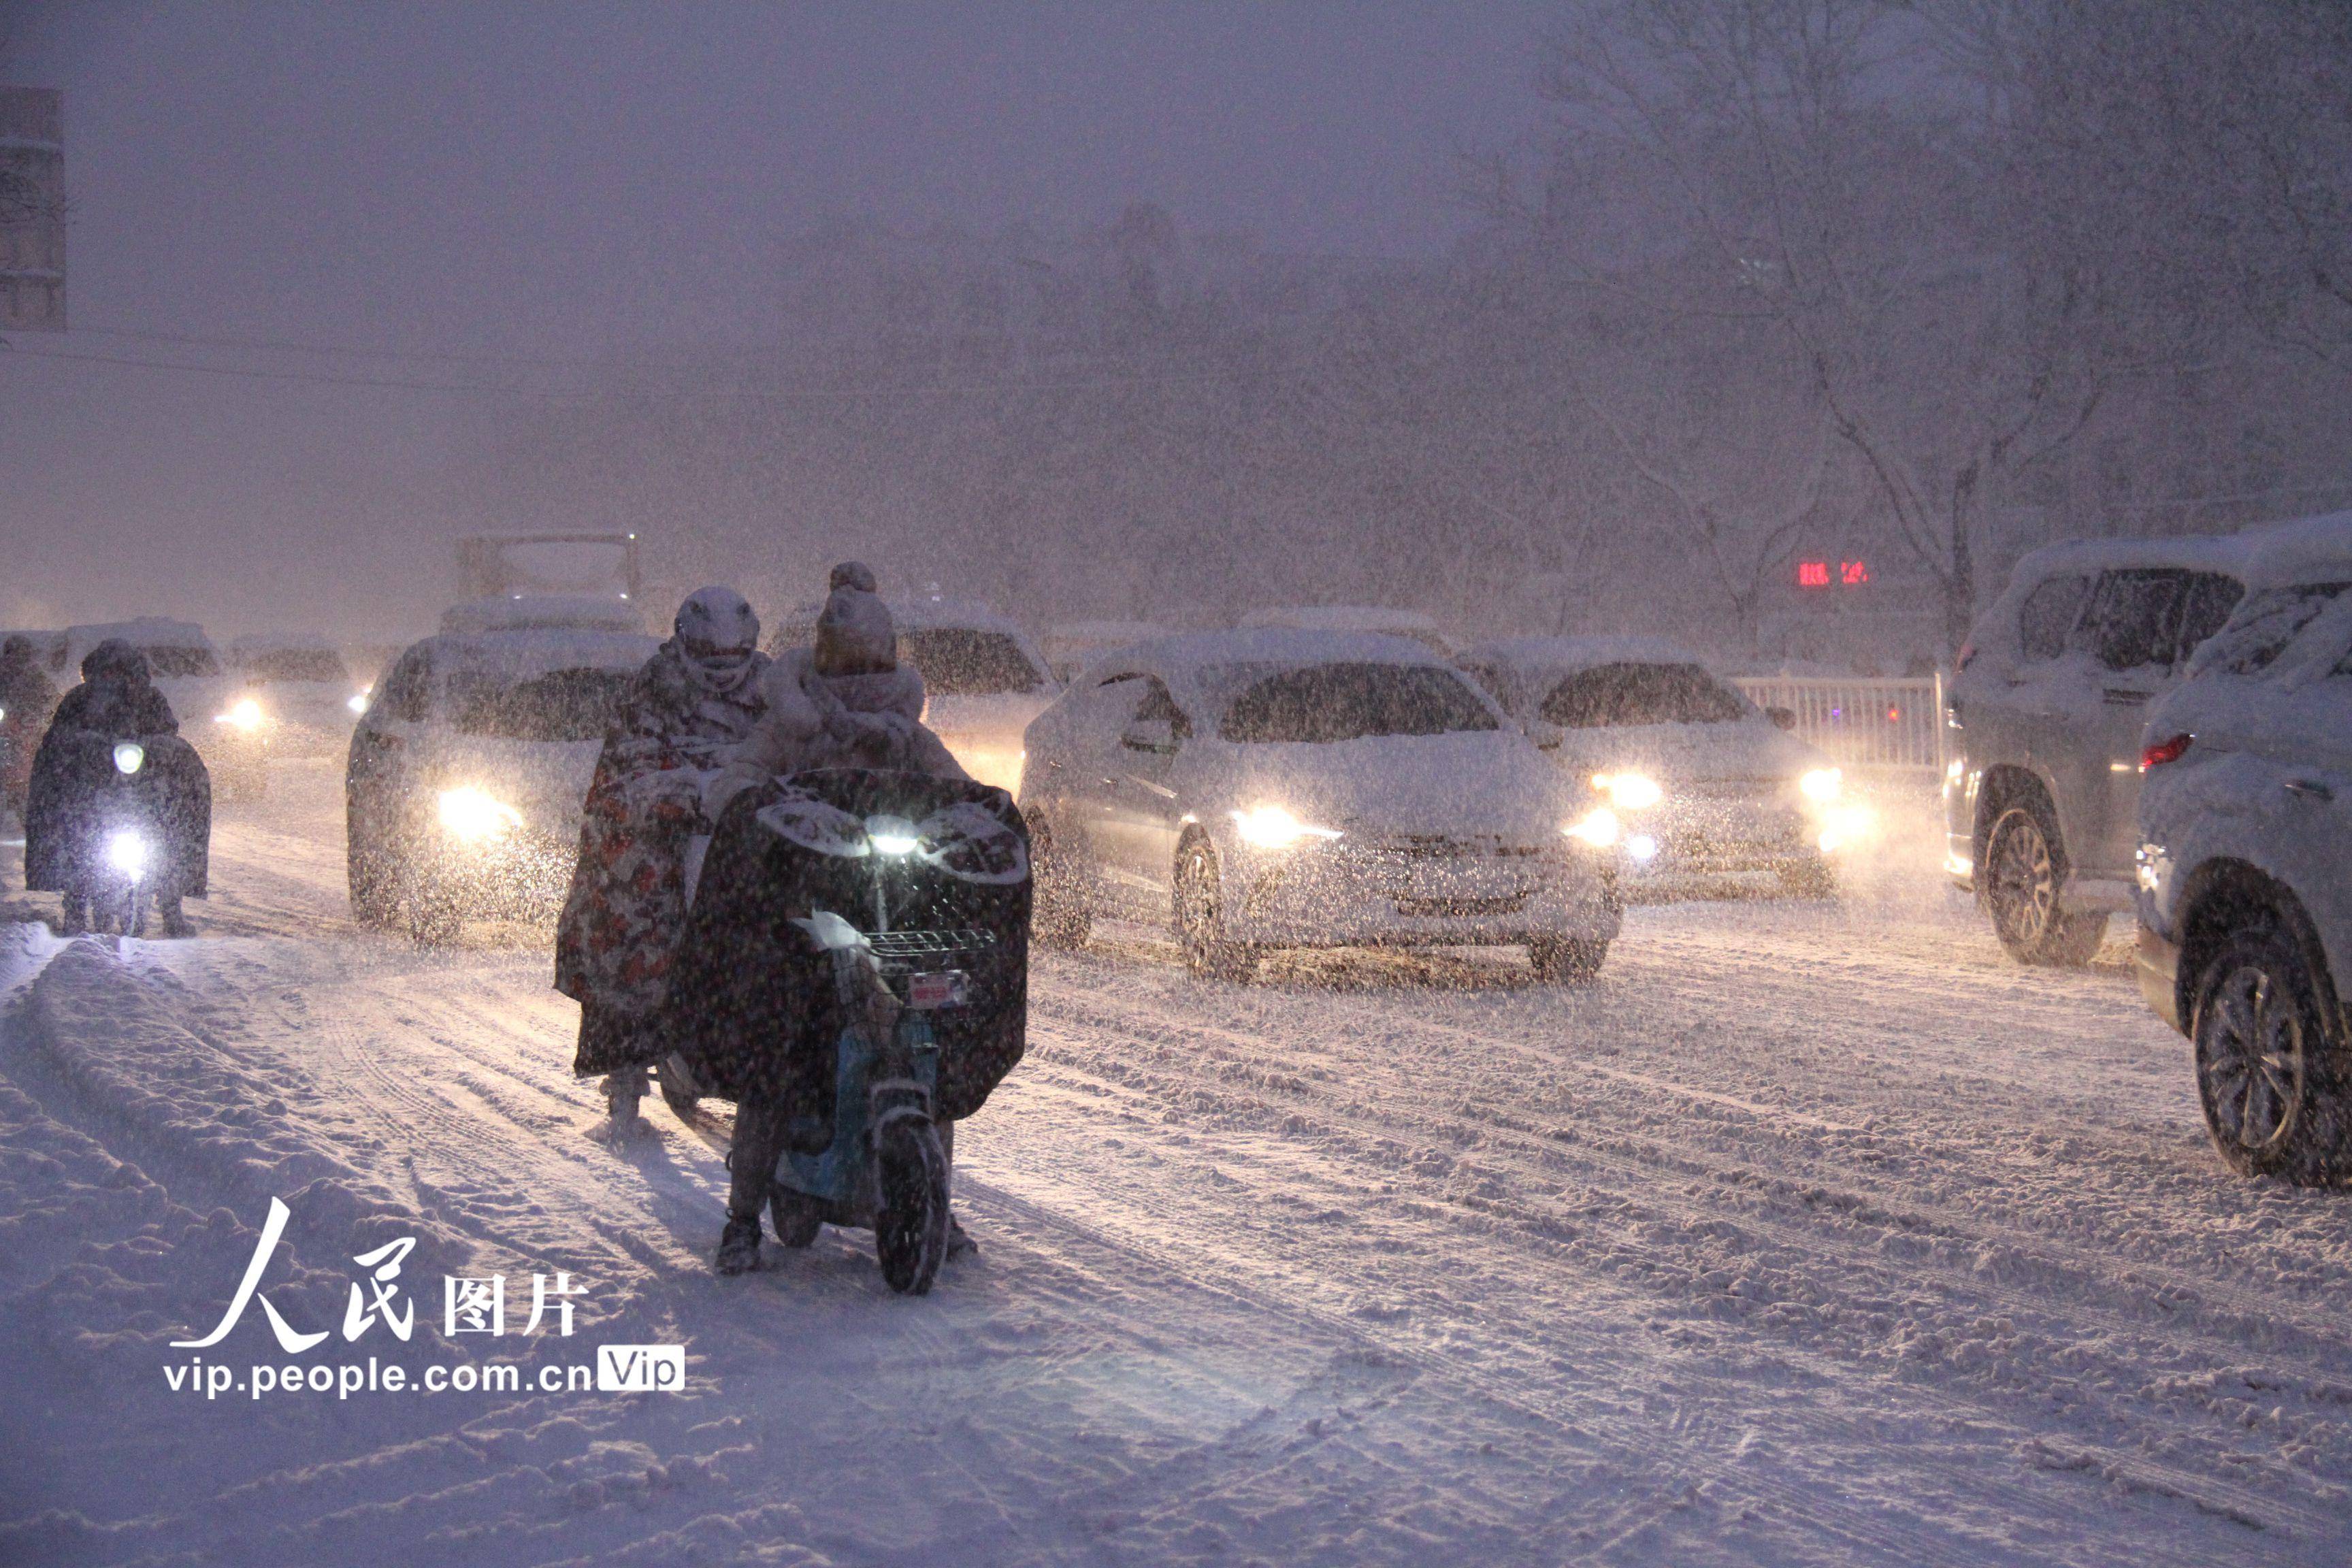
[2245, 862]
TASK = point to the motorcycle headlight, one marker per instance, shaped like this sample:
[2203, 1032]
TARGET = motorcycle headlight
[476, 817]
[245, 714]
[1822, 786]
[1628, 791]
[127, 852]
[1597, 828]
[892, 835]
[1272, 828]
[130, 756]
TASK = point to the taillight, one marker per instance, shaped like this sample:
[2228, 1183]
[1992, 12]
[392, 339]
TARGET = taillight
[2165, 752]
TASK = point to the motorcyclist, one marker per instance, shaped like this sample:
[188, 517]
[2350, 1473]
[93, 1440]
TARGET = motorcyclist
[117, 700]
[694, 700]
[844, 702]
[26, 699]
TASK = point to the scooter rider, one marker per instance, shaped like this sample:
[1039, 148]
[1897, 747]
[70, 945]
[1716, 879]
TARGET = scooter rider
[846, 702]
[116, 701]
[26, 699]
[690, 704]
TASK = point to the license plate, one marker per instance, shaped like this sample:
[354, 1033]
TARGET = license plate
[929, 992]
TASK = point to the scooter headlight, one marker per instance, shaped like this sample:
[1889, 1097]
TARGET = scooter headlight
[127, 852]
[130, 756]
[476, 816]
[892, 835]
[1272, 828]
[358, 700]
[1822, 786]
[1629, 792]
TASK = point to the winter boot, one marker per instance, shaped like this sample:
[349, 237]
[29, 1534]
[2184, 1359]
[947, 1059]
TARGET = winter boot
[175, 919]
[739, 1245]
[623, 1089]
[959, 1241]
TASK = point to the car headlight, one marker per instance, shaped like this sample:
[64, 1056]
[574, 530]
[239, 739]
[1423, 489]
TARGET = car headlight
[1822, 785]
[1597, 828]
[130, 756]
[245, 714]
[1629, 792]
[127, 852]
[892, 835]
[476, 816]
[1271, 827]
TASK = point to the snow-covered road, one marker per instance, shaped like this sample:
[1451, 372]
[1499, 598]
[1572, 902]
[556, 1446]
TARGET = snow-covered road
[1812, 1234]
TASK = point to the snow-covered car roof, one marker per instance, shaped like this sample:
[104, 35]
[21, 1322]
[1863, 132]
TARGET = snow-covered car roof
[146, 631]
[521, 612]
[536, 651]
[2195, 553]
[1203, 665]
[911, 615]
[283, 642]
[1565, 656]
[2308, 549]
[1102, 634]
[1340, 619]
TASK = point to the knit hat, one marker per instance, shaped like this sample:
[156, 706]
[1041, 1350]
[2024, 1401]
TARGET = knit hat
[854, 635]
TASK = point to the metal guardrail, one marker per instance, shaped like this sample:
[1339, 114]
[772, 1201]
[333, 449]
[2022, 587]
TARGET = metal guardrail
[1886, 723]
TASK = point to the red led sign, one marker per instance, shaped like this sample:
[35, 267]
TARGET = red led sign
[1813, 573]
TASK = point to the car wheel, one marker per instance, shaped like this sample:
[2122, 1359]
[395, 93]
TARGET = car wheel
[1061, 914]
[373, 903]
[1200, 919]
[2021, 882]
[2273, 1081]
[1568, 959]
[430, 910]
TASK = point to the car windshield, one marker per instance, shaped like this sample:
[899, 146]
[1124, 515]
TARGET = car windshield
[181, 662]
[1351, 702]
[562, 705]
[317, 664]
[2269, 620]
[960, 661]
[1610, 695]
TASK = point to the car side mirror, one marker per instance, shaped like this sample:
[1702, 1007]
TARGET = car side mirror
[1782, 717]
[1545, 735]
[1156, 736]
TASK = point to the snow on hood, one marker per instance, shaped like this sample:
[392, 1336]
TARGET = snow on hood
[2309, 549]
[1468, 782]
[1749, 748]
[519, 655]
[519, 612]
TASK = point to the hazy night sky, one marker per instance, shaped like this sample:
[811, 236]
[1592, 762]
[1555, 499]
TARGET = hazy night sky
[545, 180]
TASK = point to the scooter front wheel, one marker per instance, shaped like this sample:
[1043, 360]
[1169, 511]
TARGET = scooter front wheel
[910, 1219]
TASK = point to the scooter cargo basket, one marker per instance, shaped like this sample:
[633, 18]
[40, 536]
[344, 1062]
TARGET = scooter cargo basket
[906, 952]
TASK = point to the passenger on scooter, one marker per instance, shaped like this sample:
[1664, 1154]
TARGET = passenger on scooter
[691, 704]
[26, 699]
[847, 702]
[80, 755]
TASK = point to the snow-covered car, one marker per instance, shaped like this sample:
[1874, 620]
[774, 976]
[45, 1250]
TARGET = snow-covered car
[1070, 647]
[467, 772]
[306, 692]
[1697, 791]
[1375, 620]
[2244, 873]
[229, 728]
[1306, 789]
[2044, 719]
[984, 679]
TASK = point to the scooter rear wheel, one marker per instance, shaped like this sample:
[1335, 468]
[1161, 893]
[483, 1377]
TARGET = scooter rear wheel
[910, 1220]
